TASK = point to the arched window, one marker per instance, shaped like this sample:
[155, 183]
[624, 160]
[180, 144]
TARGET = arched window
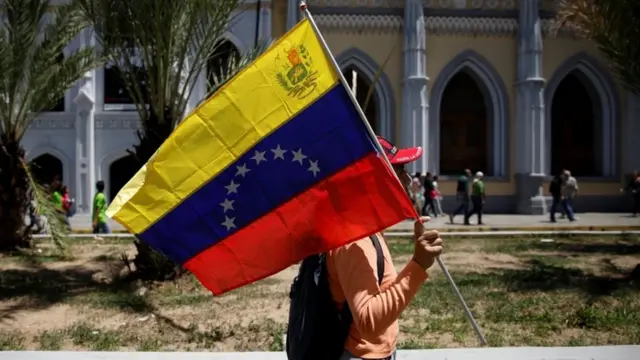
[218, 63]
[120, 172]
[359, 82]
[59, 106]
[117, 73]
[45, 168]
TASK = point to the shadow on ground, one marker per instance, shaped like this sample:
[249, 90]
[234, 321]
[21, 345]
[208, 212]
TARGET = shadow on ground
[541, 276]
[39, 287]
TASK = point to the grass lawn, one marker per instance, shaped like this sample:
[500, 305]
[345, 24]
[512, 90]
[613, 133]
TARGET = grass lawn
[523, 291]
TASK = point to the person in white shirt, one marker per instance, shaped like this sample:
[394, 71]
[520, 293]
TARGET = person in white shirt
[416, 191]
[437, 201]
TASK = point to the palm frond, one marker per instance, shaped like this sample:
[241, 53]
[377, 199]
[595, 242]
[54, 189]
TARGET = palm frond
[614, 25]
[170, 41]
[46, 207]
[34, 74]
[229, 69]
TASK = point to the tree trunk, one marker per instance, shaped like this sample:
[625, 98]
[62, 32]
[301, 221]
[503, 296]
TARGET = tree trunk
[14, 185]
[150, 264]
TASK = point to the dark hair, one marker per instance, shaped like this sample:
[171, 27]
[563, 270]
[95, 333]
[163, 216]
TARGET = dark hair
[435, 177]
[417, 174]
[100, 186]
[64, 189]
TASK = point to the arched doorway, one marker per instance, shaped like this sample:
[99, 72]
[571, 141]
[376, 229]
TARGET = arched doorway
[362, 88]
[219, 63]
[120, 172]
[574, 127]
[464, 130]
[45, 168]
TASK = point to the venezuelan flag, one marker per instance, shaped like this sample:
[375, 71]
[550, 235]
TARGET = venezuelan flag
[274, 167]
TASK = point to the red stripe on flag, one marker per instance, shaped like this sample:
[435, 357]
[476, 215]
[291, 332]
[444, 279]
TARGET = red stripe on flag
[354, 203]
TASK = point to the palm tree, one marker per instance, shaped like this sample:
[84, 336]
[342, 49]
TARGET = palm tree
[33, 35]
[159, 49]
[614, 25]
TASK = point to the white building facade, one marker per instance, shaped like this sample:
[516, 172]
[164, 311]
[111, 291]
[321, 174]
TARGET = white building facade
[86, 139]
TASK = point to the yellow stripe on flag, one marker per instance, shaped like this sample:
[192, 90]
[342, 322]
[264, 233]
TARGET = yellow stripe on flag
[253, 104]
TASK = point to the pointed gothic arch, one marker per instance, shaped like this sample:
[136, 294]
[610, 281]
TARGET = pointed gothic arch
[383, 97]
[496, 99]
[52, 155]
[605, 103]
[218, 63]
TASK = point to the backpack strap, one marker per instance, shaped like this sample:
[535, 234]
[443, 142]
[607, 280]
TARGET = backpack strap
[379, 257]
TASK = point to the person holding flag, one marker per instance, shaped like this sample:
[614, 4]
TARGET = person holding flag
[376, 304]
[280, 165]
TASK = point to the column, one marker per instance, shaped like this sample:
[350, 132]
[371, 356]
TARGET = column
[415, 102]
[530, 125]
[265, 21]
[85, 164]
[293, 13]
[631, 134]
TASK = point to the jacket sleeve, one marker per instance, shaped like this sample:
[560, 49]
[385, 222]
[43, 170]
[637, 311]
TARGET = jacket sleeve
[373, 309]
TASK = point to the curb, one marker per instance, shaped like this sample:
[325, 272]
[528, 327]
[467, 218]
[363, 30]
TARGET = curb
[405, 234]
[471, 228]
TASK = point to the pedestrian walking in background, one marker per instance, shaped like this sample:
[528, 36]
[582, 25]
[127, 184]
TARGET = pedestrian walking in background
[462, 196]
[555, 189]
[98, 216]
[569, 192]
[634, 189]
[57, 198]
[416, 191]
[437, 201]
[428, 196]
[478, 197]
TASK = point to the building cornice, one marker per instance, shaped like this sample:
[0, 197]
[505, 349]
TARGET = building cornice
[436, 25]
[361, 23]
[474, 26]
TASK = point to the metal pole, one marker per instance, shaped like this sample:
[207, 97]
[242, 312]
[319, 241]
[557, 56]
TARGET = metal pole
[445, 271]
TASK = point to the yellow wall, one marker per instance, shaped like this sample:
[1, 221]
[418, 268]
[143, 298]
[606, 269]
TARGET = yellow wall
[501, 52]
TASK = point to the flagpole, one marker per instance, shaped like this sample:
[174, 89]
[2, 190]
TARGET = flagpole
[303, 7]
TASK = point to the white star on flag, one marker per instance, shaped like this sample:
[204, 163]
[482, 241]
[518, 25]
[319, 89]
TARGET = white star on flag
[242, 170]
[278, 153]
[314, 167]
[232, 188]
[259, 157]
[228, 222]
[227, 205]
[298, 156]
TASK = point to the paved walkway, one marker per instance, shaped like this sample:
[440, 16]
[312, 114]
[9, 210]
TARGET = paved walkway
[586, 222]
[510, 222]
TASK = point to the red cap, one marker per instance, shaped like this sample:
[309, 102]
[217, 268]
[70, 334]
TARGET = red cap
[399, 156]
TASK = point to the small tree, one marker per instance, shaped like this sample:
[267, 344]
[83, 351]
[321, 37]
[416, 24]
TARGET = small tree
[614, 26]
[33, 78]
[160, 48]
